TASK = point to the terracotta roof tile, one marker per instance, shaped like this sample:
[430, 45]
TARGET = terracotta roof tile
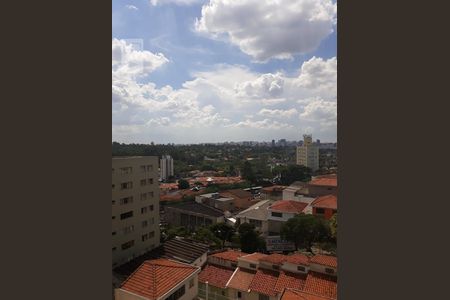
[288, 206]
[298, 259]
[264, 282]
[324, 260]
[156, 277]
[321, 284]
[292, 294]
[255, 257]
[274, 188]
[290, 280]
[215, 275]
[230, 255]
[328, 201]
[277, 259]
[324, 182]
[241, 279]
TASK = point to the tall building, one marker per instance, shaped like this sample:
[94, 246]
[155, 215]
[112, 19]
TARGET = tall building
[166, 167]
[135, 207]
[308, 153]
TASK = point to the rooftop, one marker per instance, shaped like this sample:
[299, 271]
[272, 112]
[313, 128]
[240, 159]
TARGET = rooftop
[230, 255]
[290, 280]
[277, 259]
[264, 282]
[324, 181]
[298, 259]
[215, 275]
[293, 294]
[241, 279]
[197, 208]
[257, 211]
[290, 206]
[184, 250]
[154, 278]
[254, 257]
[321, 284]
[274, 188]
[324, 260]
[238, 193]
[328, 201]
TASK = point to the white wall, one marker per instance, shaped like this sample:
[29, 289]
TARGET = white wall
[246, 264]
[321, 269]
[290, 267]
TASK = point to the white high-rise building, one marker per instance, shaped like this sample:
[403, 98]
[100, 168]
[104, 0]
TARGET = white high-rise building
[308, 153]
[166, 167]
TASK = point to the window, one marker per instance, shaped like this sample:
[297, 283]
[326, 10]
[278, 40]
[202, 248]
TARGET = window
[152, 221]
[151, 234]
[150, 181]
[142, 168]
[114, 248]
[320, 211]
[144, 223]
[143, 196]
[144, 237]
[191, 283]
[126, 200]
[126, 170]
[301, 268]
[177, 294]
[126, 215]
[113, 202]
[149, 168]
[113, 186]
[233, 265]
[126, 185]
[113, 217]
[239, 295]
[334, 211]
[151, 207]
[128, 244]
[143, 210]
[143, 182]
[276, 267]
[112, 170]
[253, 266]
[113, 233]
[329, 270]
[151, 194]
[128, 229]
[263, 297]
[277, 214]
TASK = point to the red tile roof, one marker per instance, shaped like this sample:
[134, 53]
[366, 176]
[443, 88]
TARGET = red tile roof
[288, 206]
[276, 259]
[292, 294]
[264, 282]
[241, 279]
[324, 260]
[321, 284]
[328, 201]
[230, 255]
[274, 188]
[156, 277]
[298, 259]
[290, 280]
[255, 257]
[215, 275]
[324, 182]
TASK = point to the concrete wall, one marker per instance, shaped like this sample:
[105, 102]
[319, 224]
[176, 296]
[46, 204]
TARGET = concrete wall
[246, 264]
[269, 266]
[317, 190]
[214, 293]
[321, 269]
[173, 217]
[220, 262]
[290, 267]
[328, 213]
[146, 169]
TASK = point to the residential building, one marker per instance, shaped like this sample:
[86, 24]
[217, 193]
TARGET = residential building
[217, 201]
[135, 207]
[257, 215]
[295, 294]
[323, 185]
[308, 153]
[242, 199]
[325, 206]
[166, 167]
[295, 191]
[192, 215]
[186, 251]
[274, 192]
[160, 279]
[281, 211]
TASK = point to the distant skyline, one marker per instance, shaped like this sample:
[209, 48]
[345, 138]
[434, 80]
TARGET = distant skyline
[209, 71]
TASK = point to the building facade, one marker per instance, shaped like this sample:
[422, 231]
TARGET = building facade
[135, 207]
[308, 154]
[166, 167]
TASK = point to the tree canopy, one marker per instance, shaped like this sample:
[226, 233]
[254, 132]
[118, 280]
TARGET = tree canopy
[249, 238]
[222, 231]
[183, 184]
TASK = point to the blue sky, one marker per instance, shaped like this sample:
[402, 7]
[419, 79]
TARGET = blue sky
[236, 70]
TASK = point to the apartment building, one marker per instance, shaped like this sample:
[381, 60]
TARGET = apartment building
[135, 207]
[308, 154]
[166, 167]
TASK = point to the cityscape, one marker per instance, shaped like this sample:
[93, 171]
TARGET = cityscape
[224, 152]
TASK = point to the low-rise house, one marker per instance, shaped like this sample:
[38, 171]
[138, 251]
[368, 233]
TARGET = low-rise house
[217, 201]
[272, 192]
[257, 215]
[187, 251]
[323, 185]
[281, 211]
[160, 279]
[192, 215]
[295, 294]
[325, 206]
[242, 199]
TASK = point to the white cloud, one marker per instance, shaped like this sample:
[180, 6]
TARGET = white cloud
[278, 113]
[269, 29]
[319, 74]
[131, 7]
[128, 62]
[322, 112]
[262, 124]
[265, 86]
[162, 121]
[178, 2]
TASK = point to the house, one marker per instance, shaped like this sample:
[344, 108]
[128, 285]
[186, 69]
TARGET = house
[217, 201]
[257, 215]
[242, 199]
[281, 211]
[325, 206]
[186, 251]
[274, 192]
[294, 294]
[192, 215]
[323, 185]
[160, 279]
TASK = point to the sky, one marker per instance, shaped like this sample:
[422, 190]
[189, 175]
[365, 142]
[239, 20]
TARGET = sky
[206, 71]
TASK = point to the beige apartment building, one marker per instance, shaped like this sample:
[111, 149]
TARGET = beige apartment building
[135, 207]
[308, 153]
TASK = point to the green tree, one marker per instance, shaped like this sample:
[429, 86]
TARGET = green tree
[205, 235]
[183, 184]
[305, 229]
[294, 173]
[247, 172]
[249, 238]
[333, 226]
[222, 231]
[176, 231]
